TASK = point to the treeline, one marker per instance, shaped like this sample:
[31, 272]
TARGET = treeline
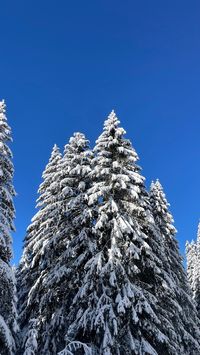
[101, 272]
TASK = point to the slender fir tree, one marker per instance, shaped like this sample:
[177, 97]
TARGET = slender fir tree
[193, 268]
[68, 241]
[175, 302]
[34, 262]
[114, 310]
[8, 325]
[191, 256]
[43, 275]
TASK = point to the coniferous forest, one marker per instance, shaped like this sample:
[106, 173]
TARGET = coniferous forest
[101, 271]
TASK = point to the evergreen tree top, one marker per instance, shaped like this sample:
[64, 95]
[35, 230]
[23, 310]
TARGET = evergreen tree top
[78, 139]
[55, 149]
[111, 127]
[198, 233]
[156, 190]
[55, 152]
[49, 171]
[112, 143]
[160, 204]
[5, 130]
[112, 122]
[77, 143]
[156, 186]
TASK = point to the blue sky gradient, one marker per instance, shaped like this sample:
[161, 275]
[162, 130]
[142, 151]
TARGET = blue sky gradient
[65, 65]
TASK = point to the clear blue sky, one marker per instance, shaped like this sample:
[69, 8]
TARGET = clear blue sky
[65, 65]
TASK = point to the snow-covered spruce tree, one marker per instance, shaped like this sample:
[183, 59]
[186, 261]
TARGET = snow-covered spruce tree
[191, 257]
[115, 307]
[64, 276]
[34, 261]
[175, 303]
[8, 325]
[193, 268]
[73, 168]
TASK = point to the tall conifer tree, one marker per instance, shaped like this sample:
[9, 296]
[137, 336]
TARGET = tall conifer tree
[175, 302]
[43, 272]
[8, 325]
[193, 268]
[34, 262]
[60, 282]
[115, 308]
[191, 256]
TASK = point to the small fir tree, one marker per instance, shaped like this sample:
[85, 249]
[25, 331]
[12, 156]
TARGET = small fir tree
[35, 262]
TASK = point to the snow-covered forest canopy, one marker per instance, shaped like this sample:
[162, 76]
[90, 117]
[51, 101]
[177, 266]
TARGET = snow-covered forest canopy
[101, 271]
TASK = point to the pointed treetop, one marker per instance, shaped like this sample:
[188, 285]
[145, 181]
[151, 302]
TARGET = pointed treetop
[112, 115]
[112, 141]
[156, 184]
[111, 131]
[50, 168]
[55, 150]
[2, 109]
[77, 142]
[55, 147]
[112, 122]
[5, 130]
[2, 105]
[198, 233]
[78, 138]
[156, 190]
[160, 204]
[152, 185]
[54, 153]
